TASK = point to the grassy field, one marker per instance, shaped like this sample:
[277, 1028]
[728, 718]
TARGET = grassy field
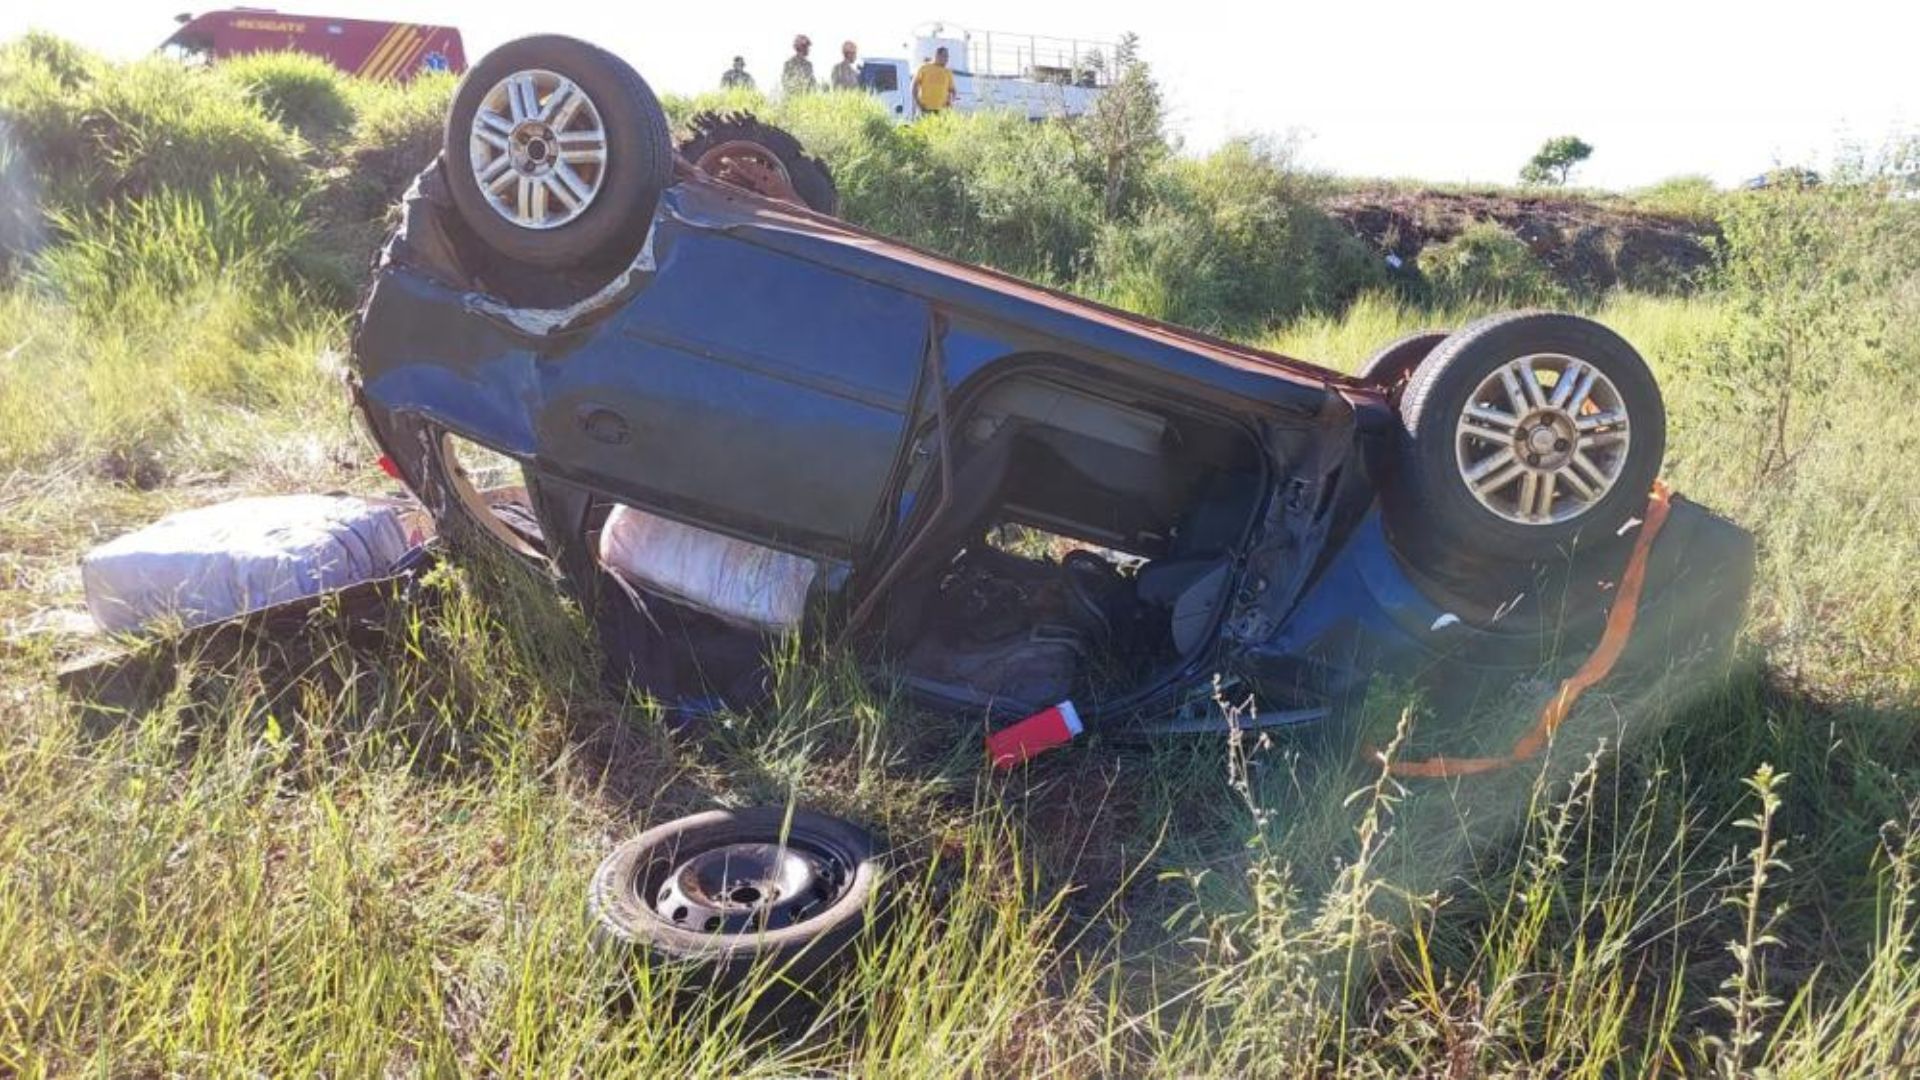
[355, 855]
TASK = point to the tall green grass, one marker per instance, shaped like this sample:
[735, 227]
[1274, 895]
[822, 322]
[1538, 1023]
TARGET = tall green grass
[216, 379]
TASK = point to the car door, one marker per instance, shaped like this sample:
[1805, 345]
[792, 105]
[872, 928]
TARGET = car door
[743, 390]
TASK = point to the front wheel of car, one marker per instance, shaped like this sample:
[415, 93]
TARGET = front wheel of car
[557, 152]
[1524, 433]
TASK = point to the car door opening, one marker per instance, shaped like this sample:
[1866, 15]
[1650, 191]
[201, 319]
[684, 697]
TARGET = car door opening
[1088, 549]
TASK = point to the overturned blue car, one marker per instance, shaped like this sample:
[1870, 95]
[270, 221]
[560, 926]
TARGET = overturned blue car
[734, 415]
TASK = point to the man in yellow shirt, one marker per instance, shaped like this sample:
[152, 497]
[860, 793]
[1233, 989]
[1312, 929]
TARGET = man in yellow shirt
[933, 84]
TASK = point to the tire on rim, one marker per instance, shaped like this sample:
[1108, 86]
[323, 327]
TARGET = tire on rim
[1395, 362]
[557, 153]
[1524, 432]
[740, 149]
[731, 890]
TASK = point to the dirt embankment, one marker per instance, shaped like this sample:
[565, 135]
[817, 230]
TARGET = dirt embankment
[1586, 245]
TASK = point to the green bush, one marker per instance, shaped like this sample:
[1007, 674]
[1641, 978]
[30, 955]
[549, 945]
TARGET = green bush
[69, 64]
[987, 187]
[1235, 240]
[1162, 266]
[141, 127]
[398, 128]
[1487, 264]
[1691, 198]
[40, 107]
[1824, 279]
[1016, 198]
[302, 91]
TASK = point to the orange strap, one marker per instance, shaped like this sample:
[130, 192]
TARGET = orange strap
[1613, 641]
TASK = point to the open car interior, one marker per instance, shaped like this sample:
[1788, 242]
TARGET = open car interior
[1086, 552]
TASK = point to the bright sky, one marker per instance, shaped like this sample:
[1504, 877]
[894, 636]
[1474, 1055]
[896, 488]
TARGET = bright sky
[1462, 90]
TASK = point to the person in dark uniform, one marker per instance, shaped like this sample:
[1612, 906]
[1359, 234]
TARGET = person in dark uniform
[797, 76]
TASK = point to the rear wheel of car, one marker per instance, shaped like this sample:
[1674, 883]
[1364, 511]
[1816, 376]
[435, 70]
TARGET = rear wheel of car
[557, 153]
[1523, 433]
[1394, 364]
[734, 890]
[742, 150]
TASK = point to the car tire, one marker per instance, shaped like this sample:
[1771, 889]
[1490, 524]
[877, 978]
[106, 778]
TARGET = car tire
[656, 893]
[557, 152]
[1394, 364]
[790, 172]
[1502, 457]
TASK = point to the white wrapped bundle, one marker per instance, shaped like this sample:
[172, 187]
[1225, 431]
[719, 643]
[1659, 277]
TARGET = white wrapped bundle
[732, 579]
[216, 562]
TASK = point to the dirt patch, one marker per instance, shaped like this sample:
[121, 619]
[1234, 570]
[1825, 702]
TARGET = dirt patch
[1585, 245]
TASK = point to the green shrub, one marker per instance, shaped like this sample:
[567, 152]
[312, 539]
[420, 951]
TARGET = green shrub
[141, 127]
[1013, 195]
[1281, 255]
[400, 126]
[1236, 241]
[988, 187]
[69, 64]
[1487, 264]
[1162, 266]
[302, 91]
[1692, 198]
[1824, 279]
[1125, 132]
[39, 109]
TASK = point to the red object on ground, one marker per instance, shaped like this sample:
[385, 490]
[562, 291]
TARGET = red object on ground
[371, 49]
[1042, 731]
[387, 466]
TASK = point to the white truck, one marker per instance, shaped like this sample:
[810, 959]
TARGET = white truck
[1039, 77]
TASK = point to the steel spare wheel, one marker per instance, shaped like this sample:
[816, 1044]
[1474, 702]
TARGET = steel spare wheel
[1525, 432]
[751, 166]
[730, 890]
[557, 153]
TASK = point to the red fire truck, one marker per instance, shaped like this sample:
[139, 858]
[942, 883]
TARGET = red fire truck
[367, 48]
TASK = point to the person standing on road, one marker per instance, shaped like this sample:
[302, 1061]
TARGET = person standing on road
[846, 73]
[736, 77]
[933, 84]
[797, 76]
